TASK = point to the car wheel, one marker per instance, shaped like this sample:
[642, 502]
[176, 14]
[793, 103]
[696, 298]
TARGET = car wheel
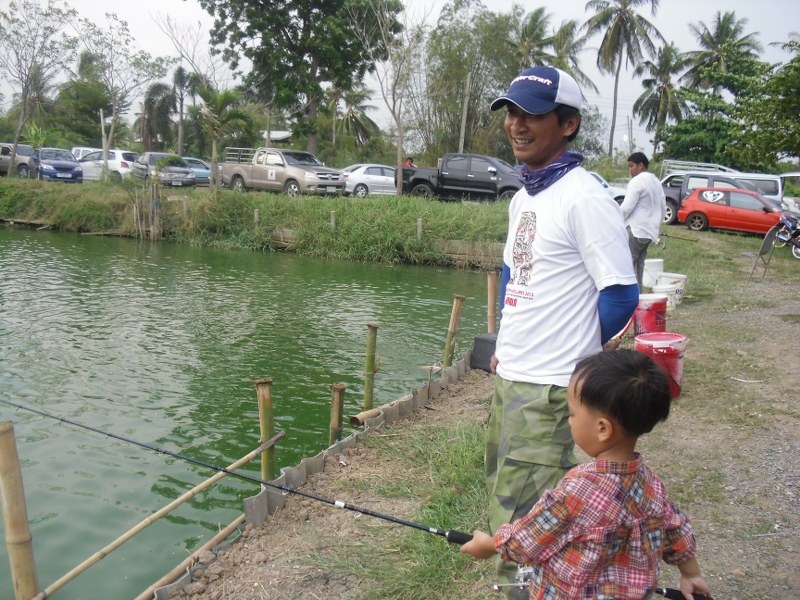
[697, 221]
[114, 176]
[292, 188]
[238, 184]
[507, 194]
[361, 190]
[796, 251]
[23, 171]
[671, 214]
[422, 189]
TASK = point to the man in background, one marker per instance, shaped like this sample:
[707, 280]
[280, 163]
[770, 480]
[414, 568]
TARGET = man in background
[643, 209]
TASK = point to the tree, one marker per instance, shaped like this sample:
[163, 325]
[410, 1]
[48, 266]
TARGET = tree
[532, 37]
[220, 114]
[662, 100]
[394, 60]
[123, 70]
[296, 47]
[626, 35]
[154, 123]
[721, 46]
[567, 46]
[33, 49]
[80, 100]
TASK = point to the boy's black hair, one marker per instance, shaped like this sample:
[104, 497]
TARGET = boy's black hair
[638, 158]
[564, 112]
[625, 385]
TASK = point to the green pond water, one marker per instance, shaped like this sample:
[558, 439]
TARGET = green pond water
[161, 343]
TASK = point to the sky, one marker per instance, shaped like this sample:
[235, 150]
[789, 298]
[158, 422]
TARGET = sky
[773, 19]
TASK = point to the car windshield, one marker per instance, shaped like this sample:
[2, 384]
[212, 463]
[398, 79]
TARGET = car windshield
[57, 154]
[302, 158]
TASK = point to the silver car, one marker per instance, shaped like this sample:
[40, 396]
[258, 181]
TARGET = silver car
[369, 179]
[119, 164]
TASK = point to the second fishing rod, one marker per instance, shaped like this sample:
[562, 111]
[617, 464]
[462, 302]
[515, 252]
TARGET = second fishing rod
[452, 536]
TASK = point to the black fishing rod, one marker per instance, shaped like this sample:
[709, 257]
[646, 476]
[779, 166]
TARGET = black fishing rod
[454, 537]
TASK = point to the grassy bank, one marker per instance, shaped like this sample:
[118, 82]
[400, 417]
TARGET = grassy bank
[376, 229]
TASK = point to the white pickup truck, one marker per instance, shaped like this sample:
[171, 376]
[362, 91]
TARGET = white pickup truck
[292, 172]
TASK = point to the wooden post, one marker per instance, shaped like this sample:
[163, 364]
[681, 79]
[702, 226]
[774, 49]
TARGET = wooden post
[455, 315]
[491, 301]
[256, 216]
[266, 422]
[333, 220]
[369, 368]
[419, 228]
[155, 213]
[19, 541]
[337, 409]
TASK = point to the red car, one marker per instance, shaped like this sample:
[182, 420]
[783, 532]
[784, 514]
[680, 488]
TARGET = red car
[722, 208]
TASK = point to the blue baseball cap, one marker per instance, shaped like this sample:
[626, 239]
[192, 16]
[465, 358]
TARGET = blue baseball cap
[539, 90]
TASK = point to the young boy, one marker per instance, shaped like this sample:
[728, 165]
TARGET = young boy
[602, 532]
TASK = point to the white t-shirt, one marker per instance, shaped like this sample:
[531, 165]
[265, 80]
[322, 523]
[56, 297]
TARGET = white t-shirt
[644, 206]
[564, 245]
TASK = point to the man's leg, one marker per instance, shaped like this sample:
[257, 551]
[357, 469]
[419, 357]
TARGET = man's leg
[638, 248]
[531, 445]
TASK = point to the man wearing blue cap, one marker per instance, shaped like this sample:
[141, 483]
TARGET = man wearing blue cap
[567, 288]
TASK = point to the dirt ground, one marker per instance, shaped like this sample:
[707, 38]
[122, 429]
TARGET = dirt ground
[728, 454]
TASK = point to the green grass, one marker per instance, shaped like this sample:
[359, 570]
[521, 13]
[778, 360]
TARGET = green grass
[445, 470]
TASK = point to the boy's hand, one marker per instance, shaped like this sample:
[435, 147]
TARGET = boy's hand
[480, 546]
[694, 585]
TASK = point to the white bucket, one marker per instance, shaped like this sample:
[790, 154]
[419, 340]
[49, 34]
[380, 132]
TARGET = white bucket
[676, 279]
[653, 267]
[671, 292]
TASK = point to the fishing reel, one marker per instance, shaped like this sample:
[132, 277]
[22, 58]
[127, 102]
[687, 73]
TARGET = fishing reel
[521, 582]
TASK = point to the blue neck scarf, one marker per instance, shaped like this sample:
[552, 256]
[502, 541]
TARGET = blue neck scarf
[540, 179]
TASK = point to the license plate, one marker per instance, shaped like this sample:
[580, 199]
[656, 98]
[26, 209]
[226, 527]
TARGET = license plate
[331, 189]
[177, 183]
[64, 175]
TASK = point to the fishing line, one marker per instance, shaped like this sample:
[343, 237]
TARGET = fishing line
[452, 536]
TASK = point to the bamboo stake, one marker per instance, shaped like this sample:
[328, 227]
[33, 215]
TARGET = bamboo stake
[19, 541]
[266, 422]
[369, 368]
[102, 553]
[491, 301]
[455, 315]
[337, 408]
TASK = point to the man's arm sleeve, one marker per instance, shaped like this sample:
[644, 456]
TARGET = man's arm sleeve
[615, 308]
[505, 277]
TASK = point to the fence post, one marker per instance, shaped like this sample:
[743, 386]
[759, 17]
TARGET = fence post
[369, 368]
[266, 421]
[491, 301]
[455, 315]
[337, 408]
[19, 541]
[333, 220]
[419, 228]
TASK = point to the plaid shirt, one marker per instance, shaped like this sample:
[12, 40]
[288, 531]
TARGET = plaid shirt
[600, 534]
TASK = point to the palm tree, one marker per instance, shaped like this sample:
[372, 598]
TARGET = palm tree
[720, 48]
[567, 45]
[661, 100]
[155, 121]
[626, 34]
[532, 38]
[221, 114]
[354, 119]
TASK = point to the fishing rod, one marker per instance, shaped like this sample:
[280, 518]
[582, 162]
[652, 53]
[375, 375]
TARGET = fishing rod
[452, 536]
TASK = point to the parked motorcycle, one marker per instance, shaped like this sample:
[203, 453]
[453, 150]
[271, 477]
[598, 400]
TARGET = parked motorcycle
[789, 232]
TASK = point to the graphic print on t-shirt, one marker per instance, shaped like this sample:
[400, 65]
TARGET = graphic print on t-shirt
[523, 249]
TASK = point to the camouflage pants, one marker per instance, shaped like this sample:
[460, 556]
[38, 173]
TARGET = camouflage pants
[529, 448]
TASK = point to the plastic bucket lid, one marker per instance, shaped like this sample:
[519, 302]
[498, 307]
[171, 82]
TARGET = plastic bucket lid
[663, 340]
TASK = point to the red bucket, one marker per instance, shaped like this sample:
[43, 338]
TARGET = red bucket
[650, 315]
[666, 350]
